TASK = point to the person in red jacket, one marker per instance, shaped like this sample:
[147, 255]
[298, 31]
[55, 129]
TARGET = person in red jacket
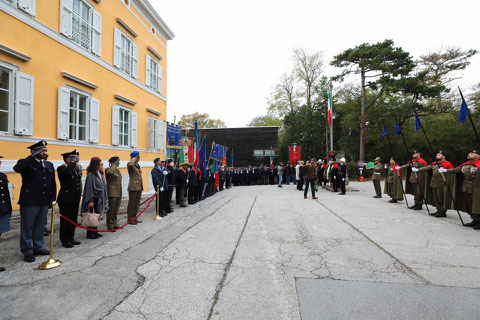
[436, 184]
[415, 182]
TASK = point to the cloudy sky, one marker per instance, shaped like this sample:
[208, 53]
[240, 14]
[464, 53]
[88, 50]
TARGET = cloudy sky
[227, 55]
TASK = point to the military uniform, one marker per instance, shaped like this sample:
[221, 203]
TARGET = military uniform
[38, 192]
[114, 191]
[135, 187]
[415, 181]
[393, 184]
[5, 204]
[70, 177]
[437, 185]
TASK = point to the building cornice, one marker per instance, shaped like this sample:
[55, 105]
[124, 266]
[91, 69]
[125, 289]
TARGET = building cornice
[153, 15]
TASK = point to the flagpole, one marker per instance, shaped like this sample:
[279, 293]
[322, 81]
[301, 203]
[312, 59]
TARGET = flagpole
[470, 117]
[330, 101]
[400, 178]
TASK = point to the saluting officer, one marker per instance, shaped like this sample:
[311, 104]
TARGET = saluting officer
[377, 177]
[416, 180]
[38, 192]
[70, 177]
[5, 205]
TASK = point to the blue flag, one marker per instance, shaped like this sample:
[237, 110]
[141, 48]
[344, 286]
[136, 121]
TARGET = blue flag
[398, 130]
[462, 115]
[231, 159]
[384, 133]
[418, 124]
[202, 158]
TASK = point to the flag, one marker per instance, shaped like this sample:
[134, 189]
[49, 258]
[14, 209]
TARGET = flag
[329, 115]
[418, 124]
[202, 158]
[398, 130]
[213, 168]
[195, 147]
[224, 159]
[384, 133]
[271, 158]
[231, 159]
[462, 115]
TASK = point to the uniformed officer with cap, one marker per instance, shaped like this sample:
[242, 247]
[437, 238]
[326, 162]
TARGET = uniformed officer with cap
[38, 192]
[377, 177]
[70, 177]
[5, 205]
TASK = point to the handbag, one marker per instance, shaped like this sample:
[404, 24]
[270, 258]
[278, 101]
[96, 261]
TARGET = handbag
[90, 219]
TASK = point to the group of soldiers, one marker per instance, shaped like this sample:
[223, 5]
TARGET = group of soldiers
[438, 184]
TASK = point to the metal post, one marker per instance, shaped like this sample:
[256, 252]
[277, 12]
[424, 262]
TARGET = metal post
[330, 101]
[51, 262]
[157, 217]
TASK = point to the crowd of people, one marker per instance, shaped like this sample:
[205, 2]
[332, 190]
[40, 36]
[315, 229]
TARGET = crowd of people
[438, 184]
[100, 193]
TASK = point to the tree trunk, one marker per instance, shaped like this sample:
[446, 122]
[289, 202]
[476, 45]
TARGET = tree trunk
[363, 104]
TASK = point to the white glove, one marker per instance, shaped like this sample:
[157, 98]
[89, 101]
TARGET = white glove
[187, 180]
[397, 167]
[442, 170]
[414, 169]
[165, 172]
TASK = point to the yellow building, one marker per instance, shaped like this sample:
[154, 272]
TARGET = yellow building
[82, 74]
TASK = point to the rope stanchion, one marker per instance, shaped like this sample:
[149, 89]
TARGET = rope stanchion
[112, 230]
[157, 217]
[51, 262]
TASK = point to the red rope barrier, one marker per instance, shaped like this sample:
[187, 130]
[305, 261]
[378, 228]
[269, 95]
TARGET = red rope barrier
[141, 204]
[112, 230]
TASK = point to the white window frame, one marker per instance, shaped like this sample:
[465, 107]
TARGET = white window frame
[128, 111]
[11, 99]
[90, 25]
[119, 52]
[87, 116]
[152, 142]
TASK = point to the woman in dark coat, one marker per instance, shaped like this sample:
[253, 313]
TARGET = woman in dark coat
[5, 205]
[95, 192]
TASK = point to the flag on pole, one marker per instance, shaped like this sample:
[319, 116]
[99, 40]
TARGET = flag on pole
[463, 114]
[202, 158]
[418, 124]
[384, 133]
[271, 158]
[195, 147]
[398, 130]
[224, 159]
[231, 159]
[329, 115]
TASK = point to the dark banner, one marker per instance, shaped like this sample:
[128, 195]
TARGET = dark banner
[174, 135]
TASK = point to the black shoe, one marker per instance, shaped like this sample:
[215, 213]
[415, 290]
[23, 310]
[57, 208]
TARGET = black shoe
[393, 201]
[412, 207]
[68, 245]
[75, 242]
[476, 227]
[473, 223]
[92, 237]
[441, 215]
[183, 206]
[341, 193]
[99, 235]
[29, 258]
[377, 197]
[2, 269]
[418, 207]
[41, 252]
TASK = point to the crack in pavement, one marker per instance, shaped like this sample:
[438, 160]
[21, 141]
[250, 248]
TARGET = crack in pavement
[141, 278]
[407, 268]
[220, 285]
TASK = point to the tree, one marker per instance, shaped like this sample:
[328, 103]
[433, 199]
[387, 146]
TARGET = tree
[442, 66]
[265, 121]
[284, 97]
[204, 121]
[381, 62]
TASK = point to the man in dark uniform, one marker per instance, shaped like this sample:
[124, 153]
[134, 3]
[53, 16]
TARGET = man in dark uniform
[192, 185]
[160, 183]
[38, 192]
[5, 205]
[342, 175]
[228, 178]
[172, 180]
[181, 185]
[221, 176]
[70, 177]
[377, 177]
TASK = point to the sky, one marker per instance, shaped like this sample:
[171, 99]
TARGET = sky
[227, 55]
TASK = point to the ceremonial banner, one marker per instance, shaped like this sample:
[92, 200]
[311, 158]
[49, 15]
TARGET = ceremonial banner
[218, 152]
[202, 158]
[295, 154]
[174, 136]
[369, 165]
[187, 151]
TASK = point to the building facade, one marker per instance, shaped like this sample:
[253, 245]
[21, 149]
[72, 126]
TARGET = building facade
[82, 74]
[251, 146]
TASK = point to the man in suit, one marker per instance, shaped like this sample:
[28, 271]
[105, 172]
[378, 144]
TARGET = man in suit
[181, 184]
[172, 180]
[135, 187]
[192, 185]
[70, 177]
[309, 169]
[38, 192]
[342, 175]
[114, 191]
[222, 177]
